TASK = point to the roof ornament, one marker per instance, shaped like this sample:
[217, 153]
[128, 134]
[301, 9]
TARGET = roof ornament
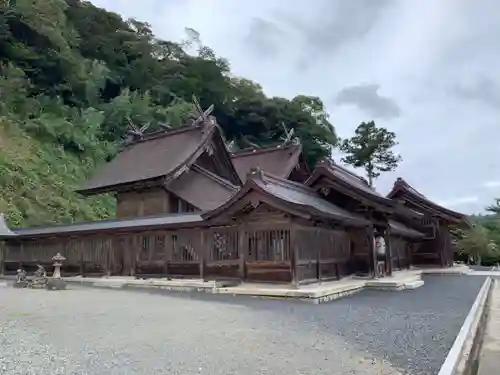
[325, 161]
[165, 126]
[136, 132]
[231, 146]
[324, 191]
[256, 173]
[201, 115]
[251, 144]
[289, 136]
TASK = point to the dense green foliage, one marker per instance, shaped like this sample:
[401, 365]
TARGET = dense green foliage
[370, 148]
[481, 244]
[72, 74]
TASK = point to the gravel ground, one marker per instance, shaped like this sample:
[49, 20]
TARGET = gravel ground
[92, 331]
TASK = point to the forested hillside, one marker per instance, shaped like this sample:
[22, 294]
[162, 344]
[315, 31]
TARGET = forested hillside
[73, 74]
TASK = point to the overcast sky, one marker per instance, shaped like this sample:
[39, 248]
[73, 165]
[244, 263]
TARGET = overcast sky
[428, 70]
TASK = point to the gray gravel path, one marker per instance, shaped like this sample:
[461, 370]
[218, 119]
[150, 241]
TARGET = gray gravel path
[91, 331]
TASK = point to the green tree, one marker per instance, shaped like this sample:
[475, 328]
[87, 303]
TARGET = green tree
[73, 75]
[371, 148]
[477, 244]
[495, 207]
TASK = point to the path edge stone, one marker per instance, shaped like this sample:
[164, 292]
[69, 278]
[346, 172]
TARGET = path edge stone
[463, 355]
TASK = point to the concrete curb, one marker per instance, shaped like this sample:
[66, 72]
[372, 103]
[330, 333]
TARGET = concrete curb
[230, 288]
[460, 358]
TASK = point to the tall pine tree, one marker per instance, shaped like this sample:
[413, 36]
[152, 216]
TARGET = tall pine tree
[371, 148]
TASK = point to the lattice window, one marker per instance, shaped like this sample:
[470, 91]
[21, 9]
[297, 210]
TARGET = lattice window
[270, 245]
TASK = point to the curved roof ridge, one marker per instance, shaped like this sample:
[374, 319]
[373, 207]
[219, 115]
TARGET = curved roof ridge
[334, 165]
[287, 183]
[261, 150]
[400, 183]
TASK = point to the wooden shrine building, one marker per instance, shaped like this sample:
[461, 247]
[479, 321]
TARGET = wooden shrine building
[434, 221]
[187, 207]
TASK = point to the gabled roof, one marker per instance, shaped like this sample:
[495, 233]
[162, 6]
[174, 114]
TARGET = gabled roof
[164, 154]
[348, 182]
[278, 160]
[4, 228]
[288, 196]
[202, 188]
[404, 191]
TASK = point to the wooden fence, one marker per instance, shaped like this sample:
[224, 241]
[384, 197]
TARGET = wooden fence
[249, 253]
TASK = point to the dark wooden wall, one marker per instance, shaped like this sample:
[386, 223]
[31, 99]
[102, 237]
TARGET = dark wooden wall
[153, 201]
[253, 251]
[148, 202]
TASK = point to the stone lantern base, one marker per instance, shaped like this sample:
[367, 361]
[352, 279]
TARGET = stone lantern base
[55, 284]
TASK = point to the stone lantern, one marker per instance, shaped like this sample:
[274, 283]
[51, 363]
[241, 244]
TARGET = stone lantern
[57, 259]
[56, 282]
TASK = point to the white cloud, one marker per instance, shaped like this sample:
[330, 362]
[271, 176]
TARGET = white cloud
[458, 201]
[491, 184]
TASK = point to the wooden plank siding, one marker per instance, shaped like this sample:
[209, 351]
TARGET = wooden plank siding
[281, 253]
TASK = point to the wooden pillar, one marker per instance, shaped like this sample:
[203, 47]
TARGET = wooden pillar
[242, 251]
[21, 255]
[318, 254]
[167, 252]
[371, 251]
[409, 253]
[388, 251]
[80, 251]
[294, 254]
[109, 255]
[203, 252]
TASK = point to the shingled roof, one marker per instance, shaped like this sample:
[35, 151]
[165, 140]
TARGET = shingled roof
[278, 160]
[288, 196]
[202, 188]
[403, 191]
[402, 230]
[174, 221]
[158, 155]
[347, 181]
